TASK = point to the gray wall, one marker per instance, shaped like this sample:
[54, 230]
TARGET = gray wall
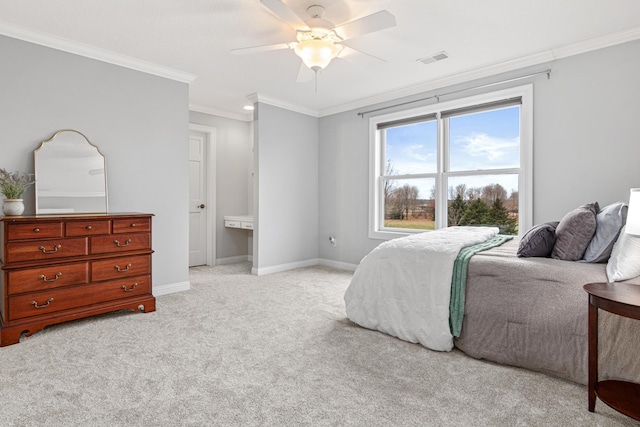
[586, 146]
[587, 131]
[286, 158]
[233, 174]
[139, 122]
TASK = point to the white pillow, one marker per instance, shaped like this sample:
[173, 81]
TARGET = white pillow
[624, 263]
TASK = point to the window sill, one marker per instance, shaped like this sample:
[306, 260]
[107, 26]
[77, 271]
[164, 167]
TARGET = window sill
[392, 234]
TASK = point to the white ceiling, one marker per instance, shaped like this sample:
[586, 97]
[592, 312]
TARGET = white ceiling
[196, 37]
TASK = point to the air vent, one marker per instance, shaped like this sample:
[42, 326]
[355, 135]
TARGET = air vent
[433, 58]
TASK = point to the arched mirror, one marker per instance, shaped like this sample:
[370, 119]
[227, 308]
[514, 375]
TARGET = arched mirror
[71, 175]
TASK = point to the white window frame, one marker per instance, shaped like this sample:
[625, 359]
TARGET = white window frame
[525, 171]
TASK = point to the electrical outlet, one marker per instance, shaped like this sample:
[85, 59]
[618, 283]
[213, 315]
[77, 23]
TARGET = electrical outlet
[332, 240]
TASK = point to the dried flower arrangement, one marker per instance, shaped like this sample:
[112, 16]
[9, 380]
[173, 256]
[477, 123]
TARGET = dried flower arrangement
[13, 184]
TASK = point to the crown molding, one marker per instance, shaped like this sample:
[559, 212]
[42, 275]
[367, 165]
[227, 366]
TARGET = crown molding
[597, 43]
[93, 52]
[491, 70]
[221, 113]
[264, 99]
[446, 81]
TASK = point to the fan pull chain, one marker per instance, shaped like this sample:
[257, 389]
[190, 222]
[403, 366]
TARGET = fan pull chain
[315, 79]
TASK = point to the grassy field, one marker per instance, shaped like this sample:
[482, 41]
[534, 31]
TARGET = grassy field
[420, 224]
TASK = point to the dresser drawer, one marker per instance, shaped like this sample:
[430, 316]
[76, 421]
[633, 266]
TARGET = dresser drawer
[115, 268]
[87, 228]
[43, 230]
[120, 243]
[45, 249]
[126, 288]
[132, 225]
[55, 300]
[39, 278]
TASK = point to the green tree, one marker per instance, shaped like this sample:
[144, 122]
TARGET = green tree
[499, 216]
[456, 210]
[477, 213]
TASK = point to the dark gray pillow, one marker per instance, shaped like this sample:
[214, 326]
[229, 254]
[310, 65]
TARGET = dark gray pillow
[574, 232]
[609, 222]
[538, 241]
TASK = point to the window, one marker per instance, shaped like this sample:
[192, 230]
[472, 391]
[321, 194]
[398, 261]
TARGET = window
[463, 162]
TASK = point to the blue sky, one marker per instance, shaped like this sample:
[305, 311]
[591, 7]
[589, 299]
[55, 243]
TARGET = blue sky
[485, 140]
[490, 138]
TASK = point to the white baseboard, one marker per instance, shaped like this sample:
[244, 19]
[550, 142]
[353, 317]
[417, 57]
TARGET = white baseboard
[233, 259]
[284, 267]
[301, 264]
[337, 264]
[170, 288]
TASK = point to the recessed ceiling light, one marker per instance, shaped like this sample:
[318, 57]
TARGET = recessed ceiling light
[248, 107]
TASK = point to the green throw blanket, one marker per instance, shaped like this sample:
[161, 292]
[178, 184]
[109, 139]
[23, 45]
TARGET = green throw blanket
[459, 280]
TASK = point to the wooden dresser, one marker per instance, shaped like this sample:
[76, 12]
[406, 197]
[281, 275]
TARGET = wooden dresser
[57, 268]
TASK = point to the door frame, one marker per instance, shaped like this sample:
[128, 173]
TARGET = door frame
[210, 176]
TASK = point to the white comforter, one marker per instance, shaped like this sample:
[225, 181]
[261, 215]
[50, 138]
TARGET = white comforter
[403, 286]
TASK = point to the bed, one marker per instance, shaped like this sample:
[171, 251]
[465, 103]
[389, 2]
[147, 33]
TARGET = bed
[525, 312]
[532, 313]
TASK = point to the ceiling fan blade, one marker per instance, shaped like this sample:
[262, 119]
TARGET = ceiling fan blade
[368, 24]
[350, 53]
[256, 49]
[305, 74]
[285, 13]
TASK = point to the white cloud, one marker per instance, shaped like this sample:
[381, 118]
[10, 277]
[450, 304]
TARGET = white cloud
[413, 151]
[491, 148]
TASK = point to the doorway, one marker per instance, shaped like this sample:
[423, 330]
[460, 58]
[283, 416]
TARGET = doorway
[202, 206]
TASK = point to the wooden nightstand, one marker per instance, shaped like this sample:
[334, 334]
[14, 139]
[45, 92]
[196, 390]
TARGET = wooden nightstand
[624, 300]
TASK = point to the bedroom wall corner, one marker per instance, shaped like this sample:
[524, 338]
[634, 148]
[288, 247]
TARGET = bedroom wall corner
[139, 121]
[286, 208]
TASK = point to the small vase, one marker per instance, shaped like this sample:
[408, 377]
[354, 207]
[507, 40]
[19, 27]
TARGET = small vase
[13, 207]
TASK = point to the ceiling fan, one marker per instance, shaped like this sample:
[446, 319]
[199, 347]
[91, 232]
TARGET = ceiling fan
[318, 41]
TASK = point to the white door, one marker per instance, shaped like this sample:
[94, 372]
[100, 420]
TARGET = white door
[197, 198]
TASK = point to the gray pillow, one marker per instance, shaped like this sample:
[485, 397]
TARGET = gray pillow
[538, 241]
[609, 222]
[574, 232]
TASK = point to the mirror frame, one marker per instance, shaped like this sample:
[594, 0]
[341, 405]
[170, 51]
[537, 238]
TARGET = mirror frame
[35, 165]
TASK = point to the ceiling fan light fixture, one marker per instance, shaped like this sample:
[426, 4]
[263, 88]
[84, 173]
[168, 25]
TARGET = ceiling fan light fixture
[317, 53]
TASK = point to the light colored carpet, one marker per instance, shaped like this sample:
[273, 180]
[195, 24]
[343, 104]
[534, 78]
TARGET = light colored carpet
[273, 350]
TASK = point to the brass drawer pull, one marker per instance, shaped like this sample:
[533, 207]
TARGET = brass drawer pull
[133, 225]
[89, 227]
[126, 243]
[119, 270]
[55, 249]
[36, 230]
[35, 304]
[44, 278]
[123, 287]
